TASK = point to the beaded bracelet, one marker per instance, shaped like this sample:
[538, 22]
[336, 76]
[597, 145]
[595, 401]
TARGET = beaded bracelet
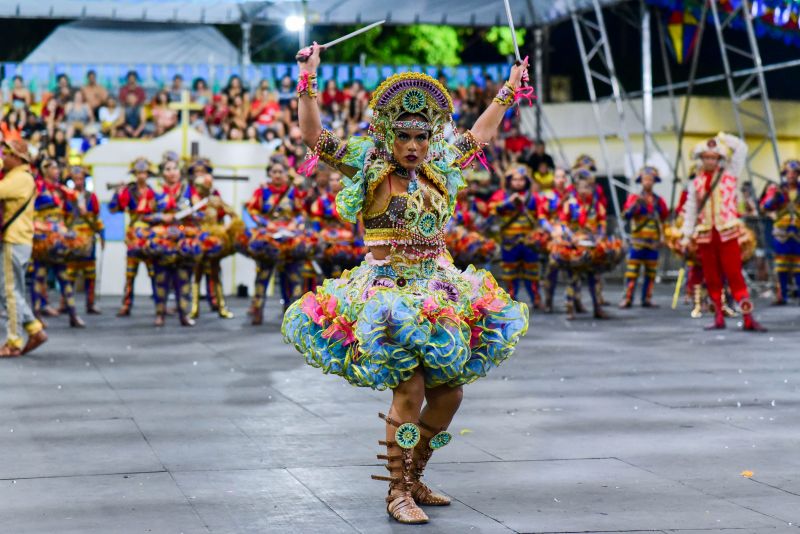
[307, 85]
[505, 96]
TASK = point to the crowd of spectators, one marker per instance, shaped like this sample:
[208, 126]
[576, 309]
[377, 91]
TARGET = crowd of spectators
[70, 119]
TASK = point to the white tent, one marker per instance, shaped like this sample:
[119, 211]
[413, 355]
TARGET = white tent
[455, 12]
[94, 41]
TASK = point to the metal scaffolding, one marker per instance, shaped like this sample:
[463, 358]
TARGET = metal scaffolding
[753, 87]
[598, 67]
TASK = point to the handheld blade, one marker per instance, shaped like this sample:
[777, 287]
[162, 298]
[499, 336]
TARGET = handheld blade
[305, 53]
[513, 31]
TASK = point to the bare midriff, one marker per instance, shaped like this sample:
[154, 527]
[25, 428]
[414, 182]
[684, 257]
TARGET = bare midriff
[393, 186]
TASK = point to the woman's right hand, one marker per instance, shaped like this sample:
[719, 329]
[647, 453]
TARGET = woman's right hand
[311, 53]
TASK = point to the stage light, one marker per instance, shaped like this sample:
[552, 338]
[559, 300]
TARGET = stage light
[294, 23]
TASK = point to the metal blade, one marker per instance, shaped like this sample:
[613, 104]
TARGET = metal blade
[353, 34]
[513, 32]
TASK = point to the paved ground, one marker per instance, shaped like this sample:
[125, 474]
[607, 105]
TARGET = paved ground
[640, 424]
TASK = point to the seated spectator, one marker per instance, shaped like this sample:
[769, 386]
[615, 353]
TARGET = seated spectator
[164, 118]
[286, 91]
[32, 124]
[63, 89]
[217, 115]
[295, 149]
[517, 144]
[200, 92]
[21, 97]
[332, 97]
[109, 115]
[133, 120]
[539, 155]
[264, 110]
[357, 101]
[235, 134]
[132, 87]
[11, 126]
[234, 87]
[175, 91]
[58, 147]
[77, 115]
[94, 93]
[251, 134]
[271, 140]
[197, 122]
[240, 110]
[53, 114]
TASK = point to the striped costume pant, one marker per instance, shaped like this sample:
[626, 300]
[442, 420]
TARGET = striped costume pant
[174, 279]
[520, 263]
[639, 259]
[87, 269]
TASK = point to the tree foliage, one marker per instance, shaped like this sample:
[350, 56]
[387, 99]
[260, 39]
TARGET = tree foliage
[500, 37]
[419, 44]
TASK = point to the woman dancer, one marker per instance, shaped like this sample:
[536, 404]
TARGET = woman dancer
[406, 319]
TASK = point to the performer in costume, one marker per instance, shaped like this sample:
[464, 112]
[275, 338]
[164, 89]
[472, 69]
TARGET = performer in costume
[276, 208]
[216, 240]
[517, 209]
[587, 162]
[647, 213]
[54, 244]
[713, 221]
[170, 237]
[85, 220]
[550, 209]
[405, 319]
[783, 200]
[17, 191]
[583, 220]
[138, 199]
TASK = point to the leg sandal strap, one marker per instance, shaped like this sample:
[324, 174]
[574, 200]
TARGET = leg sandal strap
[394, 480]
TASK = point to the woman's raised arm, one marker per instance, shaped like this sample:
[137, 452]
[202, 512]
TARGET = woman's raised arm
[308, 109]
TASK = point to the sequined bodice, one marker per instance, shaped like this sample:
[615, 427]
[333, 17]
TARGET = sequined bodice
[416, 218]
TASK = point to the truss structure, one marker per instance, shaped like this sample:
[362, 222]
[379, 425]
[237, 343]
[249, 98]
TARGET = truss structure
[752, 88]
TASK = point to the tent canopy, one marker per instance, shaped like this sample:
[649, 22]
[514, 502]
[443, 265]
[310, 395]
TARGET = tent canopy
[96, 41]
[454, 12]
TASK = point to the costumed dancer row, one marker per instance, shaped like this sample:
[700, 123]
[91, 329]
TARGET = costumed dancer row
[177, 229]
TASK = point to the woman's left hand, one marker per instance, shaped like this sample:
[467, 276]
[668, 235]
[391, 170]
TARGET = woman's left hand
[519, 73]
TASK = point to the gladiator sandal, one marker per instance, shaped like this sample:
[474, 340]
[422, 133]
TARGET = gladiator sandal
[400, 464]
[431, 440]
[697, 311]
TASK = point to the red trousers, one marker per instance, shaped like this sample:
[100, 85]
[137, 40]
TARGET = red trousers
[722, 260]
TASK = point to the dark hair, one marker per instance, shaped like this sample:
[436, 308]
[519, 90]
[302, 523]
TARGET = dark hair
[197, 82]
[277, 160]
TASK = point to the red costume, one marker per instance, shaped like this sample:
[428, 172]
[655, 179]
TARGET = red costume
[712, 219]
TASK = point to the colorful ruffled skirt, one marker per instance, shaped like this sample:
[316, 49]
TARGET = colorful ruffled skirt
[380, 321]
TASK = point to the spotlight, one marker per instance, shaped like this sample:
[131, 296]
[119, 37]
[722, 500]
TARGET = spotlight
[294, 23]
